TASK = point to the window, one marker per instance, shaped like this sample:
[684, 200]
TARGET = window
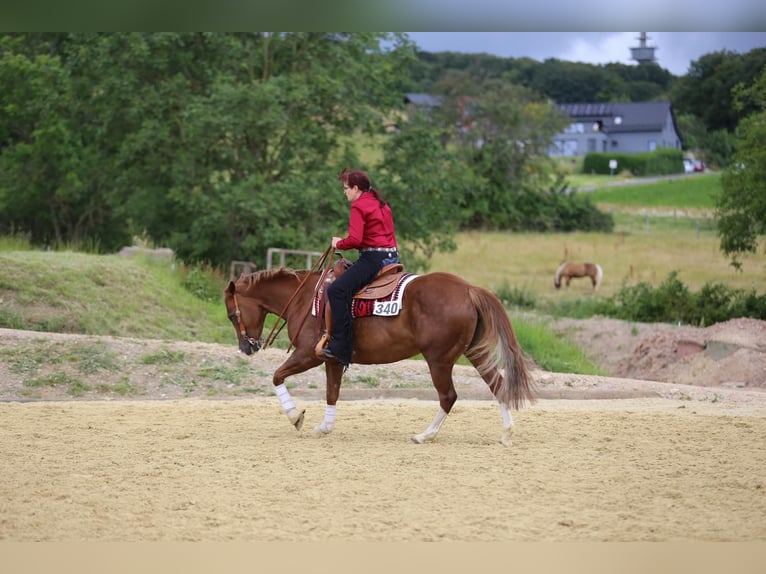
[575, 128]
[565, 147]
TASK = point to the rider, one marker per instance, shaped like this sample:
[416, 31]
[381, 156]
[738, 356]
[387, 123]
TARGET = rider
[371, 231]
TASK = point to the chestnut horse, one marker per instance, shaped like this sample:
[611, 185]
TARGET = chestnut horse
[572, 270]
[442, 317]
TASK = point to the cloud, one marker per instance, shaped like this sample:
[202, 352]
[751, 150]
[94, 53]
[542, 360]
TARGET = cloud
[602, 50]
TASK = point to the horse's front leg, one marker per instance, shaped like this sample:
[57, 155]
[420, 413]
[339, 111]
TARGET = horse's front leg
[296, 363]
[334, 372]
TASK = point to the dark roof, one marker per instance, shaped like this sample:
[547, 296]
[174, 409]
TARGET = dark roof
[634, 116]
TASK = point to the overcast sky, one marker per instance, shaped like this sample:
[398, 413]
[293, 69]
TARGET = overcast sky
[675, 50]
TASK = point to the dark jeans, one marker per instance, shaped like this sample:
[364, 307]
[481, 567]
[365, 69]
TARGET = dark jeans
[342, 290]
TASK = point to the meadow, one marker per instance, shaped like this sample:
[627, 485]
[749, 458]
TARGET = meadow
[659, 228]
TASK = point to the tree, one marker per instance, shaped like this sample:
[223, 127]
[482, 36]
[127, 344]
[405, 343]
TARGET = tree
[741, 208]
[218, 145]
[52, 177]
[706, 90]
[426, 194]
[501, 133]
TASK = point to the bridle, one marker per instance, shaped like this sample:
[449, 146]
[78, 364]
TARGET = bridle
[325, 262]
[255, 344]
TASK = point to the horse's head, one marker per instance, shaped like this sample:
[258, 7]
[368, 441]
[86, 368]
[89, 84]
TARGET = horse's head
[247, 316]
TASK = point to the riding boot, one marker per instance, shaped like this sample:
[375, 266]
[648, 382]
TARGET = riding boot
[340, 344]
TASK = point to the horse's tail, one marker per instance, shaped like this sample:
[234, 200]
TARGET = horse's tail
[557, 277]
[599, 275]
[494, 347]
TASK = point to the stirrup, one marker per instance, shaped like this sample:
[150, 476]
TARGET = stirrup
[323, 341]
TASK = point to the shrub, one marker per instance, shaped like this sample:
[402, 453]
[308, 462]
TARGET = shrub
[515, 296]
[713, 304]
[672, 301]
[659, 162]
[203, 284]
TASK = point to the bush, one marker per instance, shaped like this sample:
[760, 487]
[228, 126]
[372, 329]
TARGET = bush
[672, 302]
[205, 284]
[515, 296]
[713, 304]
[659, 162]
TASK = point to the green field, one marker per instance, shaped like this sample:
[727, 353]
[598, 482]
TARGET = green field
[697, 192]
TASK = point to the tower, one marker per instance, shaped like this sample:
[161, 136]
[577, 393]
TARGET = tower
[643, 53]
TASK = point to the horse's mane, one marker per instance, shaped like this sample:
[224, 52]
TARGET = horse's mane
[251, 279]
[557, 277]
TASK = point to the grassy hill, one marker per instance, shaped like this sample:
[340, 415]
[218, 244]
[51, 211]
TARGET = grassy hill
[112, 295]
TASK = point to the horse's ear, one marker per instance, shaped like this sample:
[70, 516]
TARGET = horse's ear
[230, 288]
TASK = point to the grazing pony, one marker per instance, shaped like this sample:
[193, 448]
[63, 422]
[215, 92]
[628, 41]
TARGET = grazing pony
[573, 270]
[441, 316]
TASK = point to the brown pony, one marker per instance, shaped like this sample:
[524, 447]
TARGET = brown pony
[442, 317]
[573, 270]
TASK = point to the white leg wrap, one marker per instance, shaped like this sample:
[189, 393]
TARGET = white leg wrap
[505, 412]
[328, 424]
[293, 414]
[284, 397]
[432, 429]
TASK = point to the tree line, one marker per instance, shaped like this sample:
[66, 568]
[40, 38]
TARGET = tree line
[220, 145]
[702, 98]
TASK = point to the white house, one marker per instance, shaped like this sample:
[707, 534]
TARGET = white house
[631, 127]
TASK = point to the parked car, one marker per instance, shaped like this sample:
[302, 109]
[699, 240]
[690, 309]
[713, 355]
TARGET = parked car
[693, 165]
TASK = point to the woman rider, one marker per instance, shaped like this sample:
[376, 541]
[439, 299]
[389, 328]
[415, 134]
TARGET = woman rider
[371, 231]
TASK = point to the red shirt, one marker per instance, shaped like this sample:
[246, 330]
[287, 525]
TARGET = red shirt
[369, 225]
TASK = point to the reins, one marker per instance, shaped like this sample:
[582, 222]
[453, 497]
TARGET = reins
[321, 262]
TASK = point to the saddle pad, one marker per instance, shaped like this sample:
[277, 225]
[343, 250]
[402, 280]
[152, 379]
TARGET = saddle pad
[387, 306]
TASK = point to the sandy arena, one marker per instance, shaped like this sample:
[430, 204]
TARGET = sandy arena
[196, 470]
[595, 459]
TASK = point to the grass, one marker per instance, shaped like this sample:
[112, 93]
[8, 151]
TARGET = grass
[105, 295]
[697, 192]
[527, 262]
[551, 352]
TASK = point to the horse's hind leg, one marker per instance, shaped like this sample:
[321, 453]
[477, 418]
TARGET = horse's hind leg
[442, 379]
[505, 412]
[493, 377]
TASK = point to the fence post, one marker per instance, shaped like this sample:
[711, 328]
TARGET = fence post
[283, 252]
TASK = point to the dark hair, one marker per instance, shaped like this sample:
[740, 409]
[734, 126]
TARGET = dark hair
[356, 177]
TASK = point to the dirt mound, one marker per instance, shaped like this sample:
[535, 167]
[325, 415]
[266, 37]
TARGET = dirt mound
[728, 354]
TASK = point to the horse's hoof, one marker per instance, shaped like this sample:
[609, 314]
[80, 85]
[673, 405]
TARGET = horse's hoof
[505, 439]
[418, 439]
[320, 431]
[296, 418]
